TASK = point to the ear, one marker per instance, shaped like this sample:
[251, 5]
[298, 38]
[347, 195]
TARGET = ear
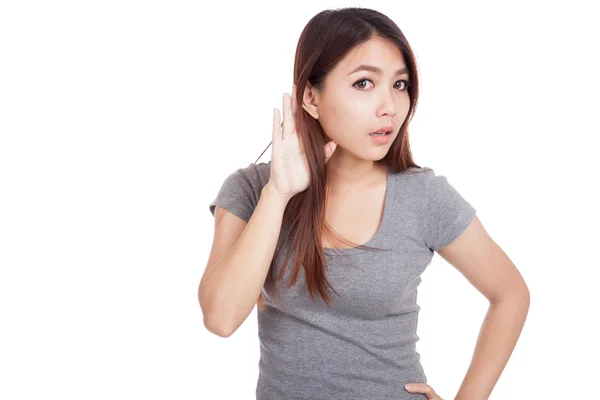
[310, 100]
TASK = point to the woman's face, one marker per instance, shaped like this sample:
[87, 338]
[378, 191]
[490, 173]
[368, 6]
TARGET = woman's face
[355, 102]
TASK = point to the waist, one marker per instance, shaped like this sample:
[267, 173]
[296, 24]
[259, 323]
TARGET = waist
[333, 383]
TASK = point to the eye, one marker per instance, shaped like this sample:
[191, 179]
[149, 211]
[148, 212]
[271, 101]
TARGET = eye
[358, 84]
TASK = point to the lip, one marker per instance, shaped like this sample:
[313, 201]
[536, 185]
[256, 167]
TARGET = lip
[383, 139]
[384, 129]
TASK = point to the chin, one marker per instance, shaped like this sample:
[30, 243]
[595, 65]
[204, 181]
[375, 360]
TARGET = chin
[376, 155]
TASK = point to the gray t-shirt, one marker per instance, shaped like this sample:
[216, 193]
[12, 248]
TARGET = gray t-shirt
[364, 345]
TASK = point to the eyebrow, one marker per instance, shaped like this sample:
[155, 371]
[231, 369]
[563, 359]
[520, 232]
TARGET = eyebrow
[364, 67]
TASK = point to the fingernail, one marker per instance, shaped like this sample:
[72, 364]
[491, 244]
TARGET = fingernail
[408, 386]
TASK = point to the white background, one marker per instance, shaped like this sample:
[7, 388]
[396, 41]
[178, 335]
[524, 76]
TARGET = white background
[119, 120]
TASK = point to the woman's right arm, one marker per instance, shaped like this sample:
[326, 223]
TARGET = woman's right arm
[231, 285]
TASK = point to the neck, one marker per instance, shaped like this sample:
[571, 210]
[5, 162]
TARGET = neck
[349, 173]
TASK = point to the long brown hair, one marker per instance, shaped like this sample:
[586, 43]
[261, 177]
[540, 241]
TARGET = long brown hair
[325, 40]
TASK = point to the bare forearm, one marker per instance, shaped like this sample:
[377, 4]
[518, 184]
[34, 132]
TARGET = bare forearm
[232, 287]
[497, 339]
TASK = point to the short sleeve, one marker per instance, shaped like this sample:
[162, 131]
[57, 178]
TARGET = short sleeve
[447, 213]
[241, 190]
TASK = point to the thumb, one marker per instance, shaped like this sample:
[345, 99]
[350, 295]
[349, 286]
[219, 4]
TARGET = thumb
[329, 149]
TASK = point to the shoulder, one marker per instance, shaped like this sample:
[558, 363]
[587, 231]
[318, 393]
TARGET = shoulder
[422, 178]
[255, 175]
[443, 211]
[423, 186]
[415, 179]
[240, 191]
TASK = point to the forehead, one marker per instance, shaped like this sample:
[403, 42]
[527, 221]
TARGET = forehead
[377, 52]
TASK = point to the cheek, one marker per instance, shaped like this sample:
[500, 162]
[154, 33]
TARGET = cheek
[404, 105]
[345, 117]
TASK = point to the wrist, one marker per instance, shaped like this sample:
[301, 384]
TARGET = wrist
[269, 191]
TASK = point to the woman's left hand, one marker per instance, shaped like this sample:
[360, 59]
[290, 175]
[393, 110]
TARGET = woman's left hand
[423, 388]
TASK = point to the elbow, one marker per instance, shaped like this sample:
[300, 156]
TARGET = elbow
[217, 328]
[210, 323]
[213, 325]
[214, 320]
[525, 295]
[521, 298]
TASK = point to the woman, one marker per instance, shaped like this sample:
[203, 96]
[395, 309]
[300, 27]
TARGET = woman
[342, 206]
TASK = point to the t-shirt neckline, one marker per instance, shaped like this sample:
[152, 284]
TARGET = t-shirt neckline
[376, 239]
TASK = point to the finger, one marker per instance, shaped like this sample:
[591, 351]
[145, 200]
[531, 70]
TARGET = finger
[294, 100]
[288, 120]
[329, 149]
[276, 128]
[423, 389]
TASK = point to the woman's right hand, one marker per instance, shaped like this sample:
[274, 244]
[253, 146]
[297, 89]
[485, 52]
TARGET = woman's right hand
[289, 167]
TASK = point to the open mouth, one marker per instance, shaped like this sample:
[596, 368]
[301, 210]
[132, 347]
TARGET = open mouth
[381, 133]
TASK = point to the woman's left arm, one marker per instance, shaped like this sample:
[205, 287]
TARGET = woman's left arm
[485, 265]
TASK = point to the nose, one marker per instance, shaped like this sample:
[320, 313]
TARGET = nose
[387, 106]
